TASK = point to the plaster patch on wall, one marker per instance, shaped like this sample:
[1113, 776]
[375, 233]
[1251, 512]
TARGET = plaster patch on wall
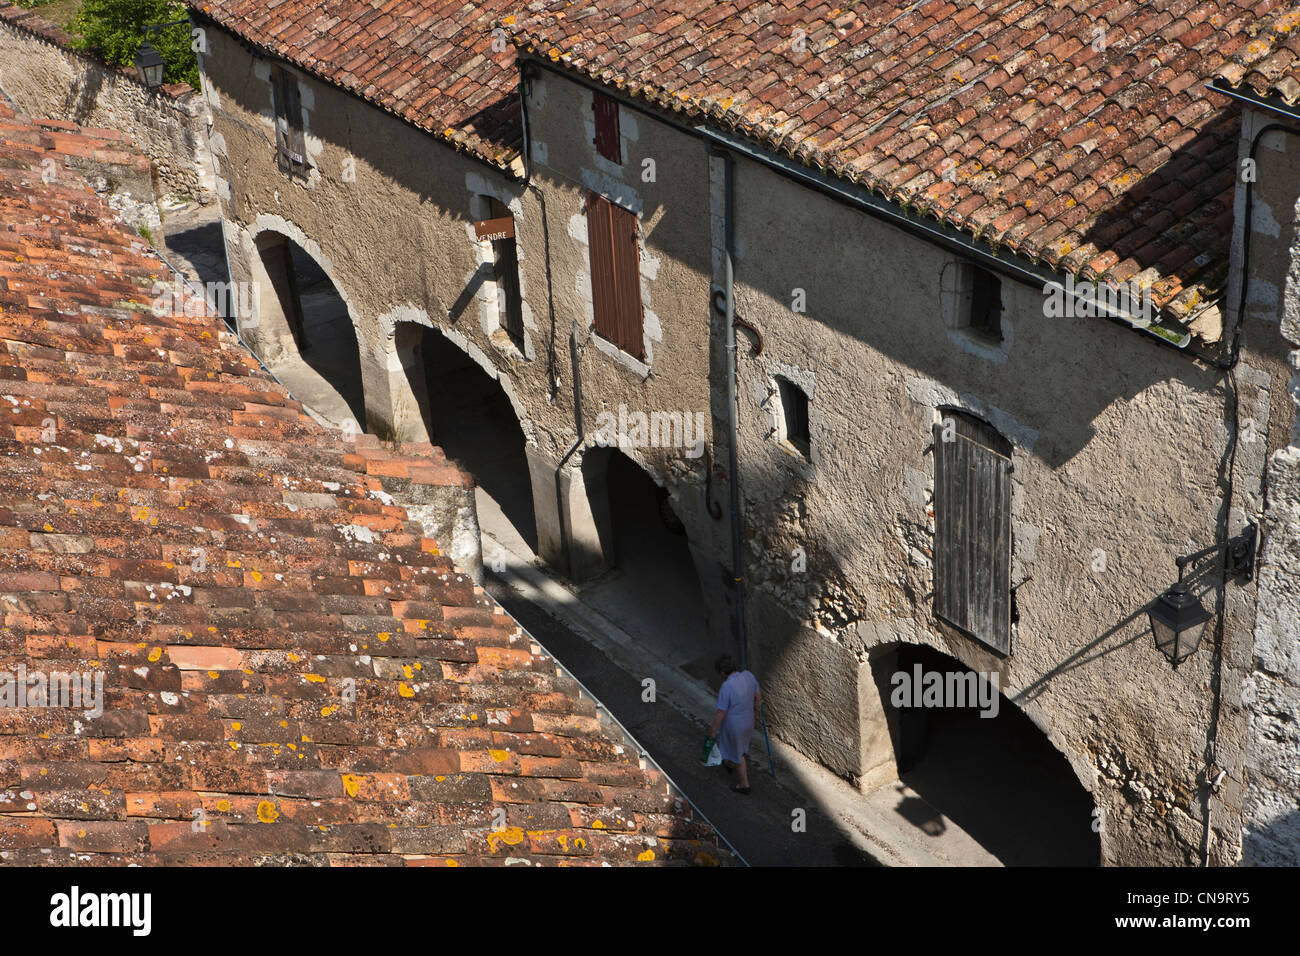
[541, 155]
[1262, 221]
[1262, 292]
[916, 487]
[932, 394]
[612, 189]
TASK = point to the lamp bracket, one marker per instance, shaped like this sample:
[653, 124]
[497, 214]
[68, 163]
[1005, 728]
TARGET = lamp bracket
[1238, 553]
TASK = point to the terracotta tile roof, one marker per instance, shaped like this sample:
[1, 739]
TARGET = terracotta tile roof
[1113, 163]
[431, 62]
[291, 671]
[1269, 65]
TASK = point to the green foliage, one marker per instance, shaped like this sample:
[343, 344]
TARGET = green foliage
[115, 29]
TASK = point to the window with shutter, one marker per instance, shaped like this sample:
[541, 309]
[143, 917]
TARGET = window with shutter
[607, 139]
[505, 256]
[972, 524]
[290, 146]
[615, 274]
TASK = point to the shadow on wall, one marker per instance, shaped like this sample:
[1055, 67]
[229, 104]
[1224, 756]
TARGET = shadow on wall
[996, 777]
[304, 314]
[468, 415]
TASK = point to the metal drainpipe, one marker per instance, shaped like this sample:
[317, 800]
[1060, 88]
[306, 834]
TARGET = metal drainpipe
[733, 476]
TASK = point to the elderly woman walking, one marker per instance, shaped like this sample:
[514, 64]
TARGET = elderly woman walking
[733, 723]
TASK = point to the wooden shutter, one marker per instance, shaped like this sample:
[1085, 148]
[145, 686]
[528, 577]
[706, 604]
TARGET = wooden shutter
[290, 146]
[972, 518]
[608, 143]
[506, 260]
[615, 274]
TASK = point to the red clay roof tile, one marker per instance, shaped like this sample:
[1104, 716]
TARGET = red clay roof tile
[291, 671]
[980, 80]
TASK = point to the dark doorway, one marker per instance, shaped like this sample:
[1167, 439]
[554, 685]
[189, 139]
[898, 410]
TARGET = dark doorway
[997, 778]
[319, 325]
[469, 416]
[652, 592]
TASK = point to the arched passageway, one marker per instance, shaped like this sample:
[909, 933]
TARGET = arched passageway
[468, 415]
[652, 591]
[304, 333]
[998, 778]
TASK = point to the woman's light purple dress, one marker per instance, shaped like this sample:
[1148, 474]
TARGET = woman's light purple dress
[736, 697]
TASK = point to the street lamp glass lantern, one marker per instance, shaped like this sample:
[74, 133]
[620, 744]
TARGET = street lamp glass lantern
[149, 66]
[1178, 621]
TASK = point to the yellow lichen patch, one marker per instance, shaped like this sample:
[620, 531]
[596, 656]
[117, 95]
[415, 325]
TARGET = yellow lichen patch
[266, 812]
[327, 710]
[234, 745]
[404, 690]
[646, 857]
[510, 835]
[452, 863]
[255, 575]
[597, 825]
[293, 658]
[236, 726]
[223, 806]
[383, 635]
[440, 779]
[351, 784]
[562, 840]
[284, 723]
[580, 843]
[406, 670]
[314, 678]
[500, 756]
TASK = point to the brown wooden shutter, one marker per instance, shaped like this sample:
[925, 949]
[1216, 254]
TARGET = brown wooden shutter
[608, 143]
[972, 523]
[615, 274]
[290, 146]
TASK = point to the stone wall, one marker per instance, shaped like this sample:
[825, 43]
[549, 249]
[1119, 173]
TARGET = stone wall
[1272, 683]
[44, 78]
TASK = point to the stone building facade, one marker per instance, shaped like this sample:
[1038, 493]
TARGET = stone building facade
[1124, 444]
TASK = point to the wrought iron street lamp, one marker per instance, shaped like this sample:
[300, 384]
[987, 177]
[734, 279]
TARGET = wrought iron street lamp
[150, 66]
[1177, 616]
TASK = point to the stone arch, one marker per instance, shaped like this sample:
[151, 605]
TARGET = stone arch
[628, 520]
[1018, 756]
[442, 389]
[302, 324]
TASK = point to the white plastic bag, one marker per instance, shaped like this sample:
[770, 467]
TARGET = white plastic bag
[715, 757]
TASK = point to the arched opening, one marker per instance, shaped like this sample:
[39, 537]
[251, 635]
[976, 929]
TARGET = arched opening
[303, 331]
[651, 591]
[972, 757]
[468, 415]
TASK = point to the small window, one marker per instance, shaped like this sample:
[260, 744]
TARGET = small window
[505, 270]
[615, 274]
[607, 139]
[290, 146]
[794, 416]
[985, 315]
[972, 528]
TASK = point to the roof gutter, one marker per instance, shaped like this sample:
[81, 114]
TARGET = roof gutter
[1272, 103]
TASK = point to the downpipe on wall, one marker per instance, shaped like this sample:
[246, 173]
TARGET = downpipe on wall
[733, 477]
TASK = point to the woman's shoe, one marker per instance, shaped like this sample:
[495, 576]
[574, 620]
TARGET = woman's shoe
[736, 788]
